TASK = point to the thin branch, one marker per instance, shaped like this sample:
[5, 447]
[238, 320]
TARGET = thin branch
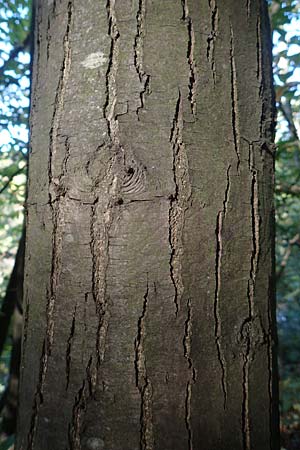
[5, 186]
[287, 113]
[13, 294]
[294, 241]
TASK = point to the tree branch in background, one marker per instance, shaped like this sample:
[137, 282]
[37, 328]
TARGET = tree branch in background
[287, 113]
[294, 241]
[5, 186]
[14, 53]
[14, 293]
[12, 309]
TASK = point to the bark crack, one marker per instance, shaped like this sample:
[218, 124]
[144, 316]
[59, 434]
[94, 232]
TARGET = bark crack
[190, 56]
[248, 7]
[252, 334]
[69, 348]
[142, 381]
[245, 411]
[210, 50]
[192, 378]
[144, 78]
[57, 219]
[101, 219]
[58, 108]
[258, 49]
[48, 38]
[179, 202]
[234, 103]
[111, 85]
[105, 191]
[219, 251]
[255, 225]
[79, 410]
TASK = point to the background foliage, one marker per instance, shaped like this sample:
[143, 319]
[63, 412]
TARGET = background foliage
[286, 35]
[14, 101]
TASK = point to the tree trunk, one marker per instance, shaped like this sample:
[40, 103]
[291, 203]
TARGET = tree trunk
[149, 300]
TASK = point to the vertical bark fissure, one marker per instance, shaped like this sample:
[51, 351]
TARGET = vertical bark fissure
[210, 50]
[142, 381]
[74, 427]
[188, 423]
[248, 8]
[258, 50]
[248, 322]
[104, 193]
[59, 105]
[101, 220]
[144, 78]
[255, 225]
[66, 157]
[261, 78]
[255, 219]
[192, 378]
[57, 219]
[26, 319]
[79, 409]
[219, 250]
[111, 88]
[54, 7]
[190, 56]
[234, 102]
[69, 348]
[48, 38]
[179, 202]
[245, 405]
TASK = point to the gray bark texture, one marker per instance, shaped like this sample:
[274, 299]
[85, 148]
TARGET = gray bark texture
[149, 303]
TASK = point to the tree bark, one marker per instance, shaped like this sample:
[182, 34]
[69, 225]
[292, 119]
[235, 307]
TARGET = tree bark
[149, 281]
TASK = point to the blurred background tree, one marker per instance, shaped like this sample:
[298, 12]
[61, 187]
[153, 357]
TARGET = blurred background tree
[286, 36]
[15, 43]
[15, 40]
